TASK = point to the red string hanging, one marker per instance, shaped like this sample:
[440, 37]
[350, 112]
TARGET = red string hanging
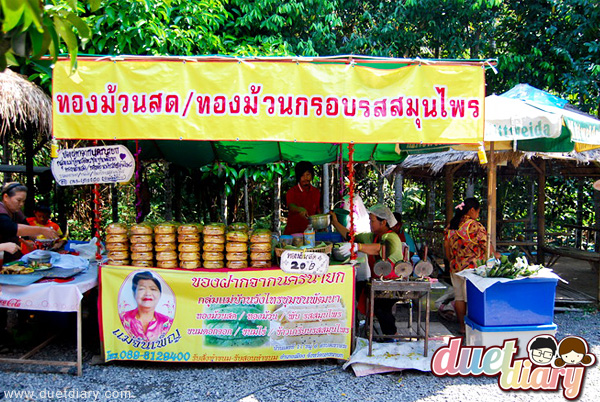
[351, 195]
[96, 218]
[138, 184]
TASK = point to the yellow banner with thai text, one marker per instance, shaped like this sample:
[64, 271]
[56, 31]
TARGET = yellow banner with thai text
[268, 101]
[153, 314]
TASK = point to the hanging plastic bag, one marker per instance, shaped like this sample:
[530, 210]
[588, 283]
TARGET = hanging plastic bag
[361, 214]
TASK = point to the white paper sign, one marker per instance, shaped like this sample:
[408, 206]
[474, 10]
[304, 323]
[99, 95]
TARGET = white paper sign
[299, 262]
[103, 164]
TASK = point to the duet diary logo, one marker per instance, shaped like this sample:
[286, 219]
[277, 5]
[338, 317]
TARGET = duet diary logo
[549, 364]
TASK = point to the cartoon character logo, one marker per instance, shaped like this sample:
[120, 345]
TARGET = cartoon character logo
[573, 351]
[542, 349]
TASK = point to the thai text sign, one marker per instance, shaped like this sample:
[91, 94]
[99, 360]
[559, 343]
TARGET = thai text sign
[268, 101]
[104, 164]
[228, 316]
[303, 262]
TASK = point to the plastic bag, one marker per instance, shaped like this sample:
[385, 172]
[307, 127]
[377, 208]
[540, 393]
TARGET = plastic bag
[88, 250]
[361, 214]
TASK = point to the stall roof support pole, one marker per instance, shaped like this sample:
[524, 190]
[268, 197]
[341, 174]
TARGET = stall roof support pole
[491, 197]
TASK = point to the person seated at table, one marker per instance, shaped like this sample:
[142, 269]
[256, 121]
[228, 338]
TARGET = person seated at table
[381, 220]
[12, 220]
[303, 199]
[144, 322]
[41, 217]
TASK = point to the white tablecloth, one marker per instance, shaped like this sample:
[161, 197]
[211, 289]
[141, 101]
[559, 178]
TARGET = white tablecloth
[50, 296]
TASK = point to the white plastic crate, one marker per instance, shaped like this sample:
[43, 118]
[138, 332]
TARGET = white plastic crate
[479, 335]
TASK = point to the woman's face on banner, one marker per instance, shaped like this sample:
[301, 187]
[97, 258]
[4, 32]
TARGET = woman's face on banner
[147, 294]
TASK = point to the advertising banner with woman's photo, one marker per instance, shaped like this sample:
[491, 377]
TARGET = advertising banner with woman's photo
[158, 314]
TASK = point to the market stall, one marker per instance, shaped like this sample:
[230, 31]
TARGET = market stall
[193, 111]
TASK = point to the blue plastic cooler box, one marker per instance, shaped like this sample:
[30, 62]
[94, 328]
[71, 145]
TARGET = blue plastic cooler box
[527, 301]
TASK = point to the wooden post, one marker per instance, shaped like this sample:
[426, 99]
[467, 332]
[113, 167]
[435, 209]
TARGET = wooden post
[6, 158]
[449, 181]
[579, 214]
[491, 199]
[430, 202]
[398, 190]
[530, 214]
[541, 234]
[470, 187]
[30, 200]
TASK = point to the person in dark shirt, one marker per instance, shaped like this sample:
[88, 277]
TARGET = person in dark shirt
[13, 224]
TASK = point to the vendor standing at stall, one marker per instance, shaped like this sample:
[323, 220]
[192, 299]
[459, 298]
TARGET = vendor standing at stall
[303, 199]
[13, 224]
[381, 220]
[465, 244]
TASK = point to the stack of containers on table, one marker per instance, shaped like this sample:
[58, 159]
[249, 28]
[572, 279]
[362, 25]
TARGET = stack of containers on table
[165, 239]
[237, 246]
[260, 248]
[142, 250]
[521, 309]
[188, 237]
[213, 245]
[117, 244]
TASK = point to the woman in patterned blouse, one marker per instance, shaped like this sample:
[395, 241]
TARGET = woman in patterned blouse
[466, 242]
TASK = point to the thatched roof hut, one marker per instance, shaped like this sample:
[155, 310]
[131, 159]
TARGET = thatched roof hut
[435, 162]
[24, 107]
[25, 112]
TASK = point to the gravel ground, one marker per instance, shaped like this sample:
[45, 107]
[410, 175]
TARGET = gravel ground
[290, 381]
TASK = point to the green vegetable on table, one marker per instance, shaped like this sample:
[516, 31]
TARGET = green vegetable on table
[512, 266]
